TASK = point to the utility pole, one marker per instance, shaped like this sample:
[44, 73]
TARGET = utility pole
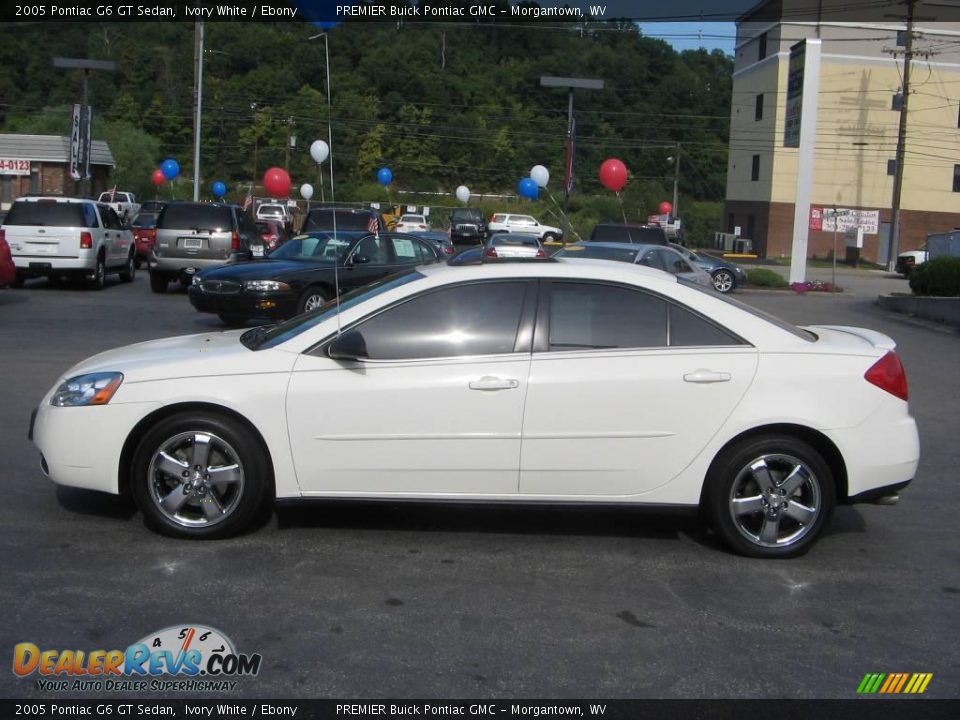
[198, 116]
[676, 183]
[894, 241]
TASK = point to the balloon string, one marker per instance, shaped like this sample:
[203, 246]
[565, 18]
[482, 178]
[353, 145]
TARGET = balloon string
[622, 211]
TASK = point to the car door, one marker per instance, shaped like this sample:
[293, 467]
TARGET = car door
[625, 389]
[112, 234]
[435, 407]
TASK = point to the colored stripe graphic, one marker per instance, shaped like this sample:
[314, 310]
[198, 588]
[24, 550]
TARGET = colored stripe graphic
[894, 683]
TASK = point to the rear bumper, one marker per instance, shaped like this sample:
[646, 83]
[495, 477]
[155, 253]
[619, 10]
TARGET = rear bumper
[39, 265]
[190, 266]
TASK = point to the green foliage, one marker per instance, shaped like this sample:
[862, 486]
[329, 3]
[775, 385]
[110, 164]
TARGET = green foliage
[701, 218]
[762, 277]
[939, 277]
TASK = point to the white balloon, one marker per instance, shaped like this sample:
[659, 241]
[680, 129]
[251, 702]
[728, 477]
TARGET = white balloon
[463, 194]
[319, 151]
[540, 175]
[306, 191]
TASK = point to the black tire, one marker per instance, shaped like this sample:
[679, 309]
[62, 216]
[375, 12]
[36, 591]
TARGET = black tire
[99, 279]
[312, 298]
[158, 282]
[783, 519]
[551, 237]
[724, 281]
[233, 321]
[193, 507]
[129, 271]
[18, 281]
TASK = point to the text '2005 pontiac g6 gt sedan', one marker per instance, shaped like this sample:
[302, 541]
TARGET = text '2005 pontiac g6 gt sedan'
[554, 381]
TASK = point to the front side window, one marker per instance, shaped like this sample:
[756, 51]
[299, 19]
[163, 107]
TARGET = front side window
[373, 250]
[464, 320]
[407, 250]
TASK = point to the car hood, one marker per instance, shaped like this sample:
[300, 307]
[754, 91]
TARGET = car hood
[261, 269]
[206, 354]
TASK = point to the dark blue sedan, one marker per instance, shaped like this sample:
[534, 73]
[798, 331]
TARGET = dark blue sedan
[727, 277]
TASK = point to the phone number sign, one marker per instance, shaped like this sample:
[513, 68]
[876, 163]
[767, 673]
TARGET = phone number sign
[14, 166]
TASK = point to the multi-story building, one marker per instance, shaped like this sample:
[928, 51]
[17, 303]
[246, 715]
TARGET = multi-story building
[859, 101]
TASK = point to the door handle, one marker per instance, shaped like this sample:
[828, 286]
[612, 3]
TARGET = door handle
[706, 376]
[488, 382]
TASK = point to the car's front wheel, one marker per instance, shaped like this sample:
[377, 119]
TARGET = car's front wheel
[770, 496]
[200, 476]
[312, 298]
[723, 281]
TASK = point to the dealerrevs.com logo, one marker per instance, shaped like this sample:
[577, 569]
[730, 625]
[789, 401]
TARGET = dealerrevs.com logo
[200, 658]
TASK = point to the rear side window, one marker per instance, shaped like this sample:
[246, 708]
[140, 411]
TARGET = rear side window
[323, 220]
[651, 235]
[49, 213]
[499, 218]
[609, 233]
[593, 252]
[690, 330]
[594, 317]
[199, 217]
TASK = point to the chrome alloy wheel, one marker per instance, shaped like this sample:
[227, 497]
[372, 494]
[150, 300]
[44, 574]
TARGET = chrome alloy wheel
[196, 479]
[775, 501]
[313, 301]
[723, 281]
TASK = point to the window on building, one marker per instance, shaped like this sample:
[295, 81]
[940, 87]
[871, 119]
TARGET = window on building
[958, 115]
[892, 167]
[758, 110]
[731, 222]
[751, 226]
[956, 178]
[897, 102]
[755, 168]
[762, 47]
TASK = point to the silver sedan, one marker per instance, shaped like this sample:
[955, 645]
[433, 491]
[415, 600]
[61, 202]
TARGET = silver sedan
[658, 257]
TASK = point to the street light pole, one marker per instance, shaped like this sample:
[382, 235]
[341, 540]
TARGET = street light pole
[199, 114]
[676, 183]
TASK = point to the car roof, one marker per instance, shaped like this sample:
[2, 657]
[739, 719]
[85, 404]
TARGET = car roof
[58, 198]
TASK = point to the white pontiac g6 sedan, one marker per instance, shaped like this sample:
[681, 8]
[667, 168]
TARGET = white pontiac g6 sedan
[555, 381]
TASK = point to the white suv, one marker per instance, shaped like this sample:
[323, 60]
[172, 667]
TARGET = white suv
[526, 224]
[57, 236]
[273, 211]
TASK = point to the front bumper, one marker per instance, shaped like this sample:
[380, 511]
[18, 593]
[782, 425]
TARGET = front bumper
[273, 305]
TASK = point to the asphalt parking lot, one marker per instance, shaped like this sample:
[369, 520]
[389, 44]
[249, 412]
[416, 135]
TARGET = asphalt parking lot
[399, 600]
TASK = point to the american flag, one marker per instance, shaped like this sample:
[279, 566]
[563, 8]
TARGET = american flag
[373, 226]
[248, 201]
[571, 151]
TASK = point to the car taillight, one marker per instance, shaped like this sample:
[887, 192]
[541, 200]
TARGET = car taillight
[887, 374]
[491, 252]
[448, 250]
[541, 253]
[234, 240]
[86, 241]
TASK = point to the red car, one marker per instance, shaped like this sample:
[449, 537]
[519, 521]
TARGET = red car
[144, 228]
[272, 232]
[8, 271]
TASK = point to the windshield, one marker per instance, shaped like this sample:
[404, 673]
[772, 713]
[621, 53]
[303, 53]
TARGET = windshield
[320, 247]
[268, 336]
[322, 219]
[49, 213]
[216, 218]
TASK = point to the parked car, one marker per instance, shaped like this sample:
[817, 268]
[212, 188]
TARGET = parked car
[192, 236]
[272, 232]
[152, 206]
[908, 260]
[144, 228]
[412, 223]
[654, 256]
[726, 276]
[336, 219]
[123, 203]
[55, 237]
[274, 211]
[468, 225]
[8, 270]
[626, 233]
[433, 385]
[513, 223]
[304, 273]
[513, 245]
[439, 239]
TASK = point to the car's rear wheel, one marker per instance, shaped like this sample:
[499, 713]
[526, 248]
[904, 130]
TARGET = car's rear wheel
[550, 237]
[99, 278]
[200, 476]
[723, 281]
[158, 282]
[312, 298]
[770, 496]
[129, 271]
[233, 321]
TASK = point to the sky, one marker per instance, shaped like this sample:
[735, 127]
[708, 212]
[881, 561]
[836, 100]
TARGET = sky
[692, 35]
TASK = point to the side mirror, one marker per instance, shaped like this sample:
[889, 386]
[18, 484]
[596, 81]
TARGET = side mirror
[349, 346]
[359, 260]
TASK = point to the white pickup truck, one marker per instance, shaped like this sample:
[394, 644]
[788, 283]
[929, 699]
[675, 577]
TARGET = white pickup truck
[123, 203]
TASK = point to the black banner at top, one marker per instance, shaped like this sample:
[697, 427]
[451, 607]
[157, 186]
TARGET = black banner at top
[328, 13]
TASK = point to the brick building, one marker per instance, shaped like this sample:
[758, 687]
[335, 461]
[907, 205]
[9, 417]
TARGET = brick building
[40, 164]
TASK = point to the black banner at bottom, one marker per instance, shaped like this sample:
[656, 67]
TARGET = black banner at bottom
[854, 709]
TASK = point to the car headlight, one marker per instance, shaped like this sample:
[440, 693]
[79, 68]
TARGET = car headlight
[197, 280]
[91, 389]
[261, 285]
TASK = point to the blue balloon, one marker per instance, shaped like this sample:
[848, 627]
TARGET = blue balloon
[328, 25]
[384, 176]
[170, 168]
[219, 189]
[528, 188]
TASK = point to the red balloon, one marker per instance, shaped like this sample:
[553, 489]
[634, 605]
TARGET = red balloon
[158, 178]
[276, 182]
[665, 208]
[613, 174]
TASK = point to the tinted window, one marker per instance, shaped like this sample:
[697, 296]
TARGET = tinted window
[145, 220]
[321, 219]
[319, 248]
[623, 254]
[584, 315]
[455, 321]
[48, 213]
[90, 218]
[529, 241]
[688, 329]
[199, 217]
[374, 249]
[110, 219]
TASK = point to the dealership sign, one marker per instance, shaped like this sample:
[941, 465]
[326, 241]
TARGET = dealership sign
[824, 219]
[14, 166]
